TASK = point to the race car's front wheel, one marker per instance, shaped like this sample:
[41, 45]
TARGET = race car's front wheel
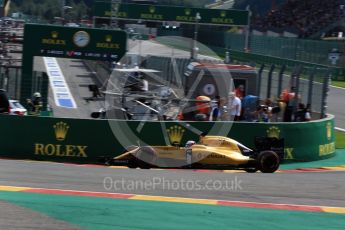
[268, 162]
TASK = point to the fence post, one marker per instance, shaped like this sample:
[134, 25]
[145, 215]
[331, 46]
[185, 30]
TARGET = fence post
[311, 87]
[325, 91]
[298, 77]
[296, 71]
[258, 85]
[44, 89]
[1, 77]
[280, 80]
[269, 83]
[7, 78]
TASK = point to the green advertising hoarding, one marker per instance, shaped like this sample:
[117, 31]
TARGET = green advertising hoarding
[72, 42]
[102, 9]
[84, 141]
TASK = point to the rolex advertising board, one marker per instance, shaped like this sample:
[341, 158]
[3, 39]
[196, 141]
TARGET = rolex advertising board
[68, 42]
[102, 9]
[79, 43]
[84, 141]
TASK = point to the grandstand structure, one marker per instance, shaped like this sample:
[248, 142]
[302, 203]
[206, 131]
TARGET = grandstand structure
[303, 19]
[309, 19]
[308, 31]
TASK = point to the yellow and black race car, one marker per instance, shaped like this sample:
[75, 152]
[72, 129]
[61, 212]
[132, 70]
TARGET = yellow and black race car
[215, 152]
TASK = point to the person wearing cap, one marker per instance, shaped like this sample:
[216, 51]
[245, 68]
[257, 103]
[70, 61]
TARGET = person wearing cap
[35, 104]
[203, 108]
[235, 106]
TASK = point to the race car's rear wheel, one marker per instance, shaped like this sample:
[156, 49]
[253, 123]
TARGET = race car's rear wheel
[268, 162]
[146, 157]
[133, 164]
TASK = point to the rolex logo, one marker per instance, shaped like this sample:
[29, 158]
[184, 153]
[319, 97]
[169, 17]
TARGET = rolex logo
[152, 9]
[175, 134]
[55, 34]
[223, 14]
[188, 11]
[329, 131]
[108, 38]
[61, 130]
[273, 132]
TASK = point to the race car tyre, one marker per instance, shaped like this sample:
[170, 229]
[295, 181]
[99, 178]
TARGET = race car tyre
[268, 162]
[132, 165]
[146, 157]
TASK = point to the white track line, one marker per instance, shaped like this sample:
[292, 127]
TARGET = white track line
[337, 87]
[339, 129]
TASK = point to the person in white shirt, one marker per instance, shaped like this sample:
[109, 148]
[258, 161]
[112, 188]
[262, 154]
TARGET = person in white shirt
[235, 106]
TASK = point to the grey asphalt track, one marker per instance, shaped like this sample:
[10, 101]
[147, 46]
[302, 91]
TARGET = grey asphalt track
[325, 189]
[336, 105]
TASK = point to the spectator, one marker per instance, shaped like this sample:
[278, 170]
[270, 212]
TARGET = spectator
[239, 91]
[203, 108]
[303, 113]
[223, 110]
[235, 107]
[307, 17]
[308, 113]
[287, 97]
[215, 109]
[35, 104]
[263, 114]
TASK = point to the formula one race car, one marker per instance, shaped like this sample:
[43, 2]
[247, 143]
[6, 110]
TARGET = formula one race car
[212, 152]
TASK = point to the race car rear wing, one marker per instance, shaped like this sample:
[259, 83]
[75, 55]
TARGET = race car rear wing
[270, 143]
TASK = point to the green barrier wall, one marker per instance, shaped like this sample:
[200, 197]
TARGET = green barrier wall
[83, 141]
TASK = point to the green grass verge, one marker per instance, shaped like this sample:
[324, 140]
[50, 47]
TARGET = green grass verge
[338, 83]
[339, 140]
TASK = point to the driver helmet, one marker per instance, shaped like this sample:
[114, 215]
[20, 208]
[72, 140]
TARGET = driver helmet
[190, 144]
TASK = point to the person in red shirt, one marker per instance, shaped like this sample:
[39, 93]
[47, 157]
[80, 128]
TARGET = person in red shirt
[239, 92]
